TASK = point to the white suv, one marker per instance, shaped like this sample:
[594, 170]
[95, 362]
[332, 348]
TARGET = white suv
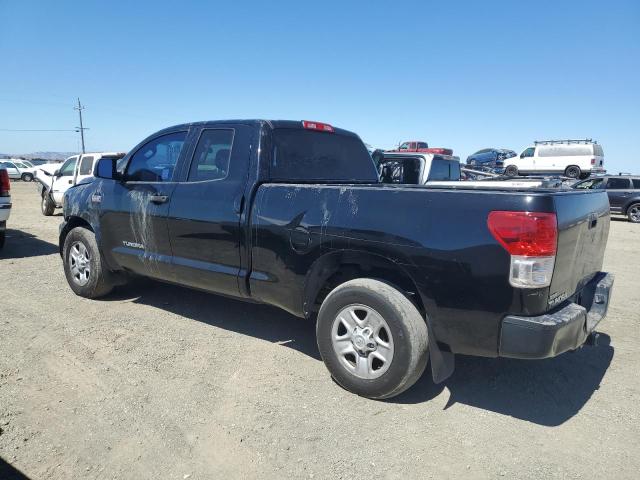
[18, 169]
[571, 158]
[56, 180]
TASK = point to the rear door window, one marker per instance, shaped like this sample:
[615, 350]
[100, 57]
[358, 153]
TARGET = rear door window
[307, 155]
[211, 159]
[86, 165]
[400, 170]
[618, 184]
[442, 169]
[590, 184]
[636, 183]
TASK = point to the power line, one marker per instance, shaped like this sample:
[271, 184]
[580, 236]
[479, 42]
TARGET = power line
[34, 130]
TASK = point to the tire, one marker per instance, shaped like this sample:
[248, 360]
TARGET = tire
[633, 213]
[47, 205]
[573, 171]
[401, 337]
[90, 277]
[3, 236]
[27, 177]
[511, 171]
[584, 176]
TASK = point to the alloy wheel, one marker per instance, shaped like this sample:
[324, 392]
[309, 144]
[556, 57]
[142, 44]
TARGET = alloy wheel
[362, 340]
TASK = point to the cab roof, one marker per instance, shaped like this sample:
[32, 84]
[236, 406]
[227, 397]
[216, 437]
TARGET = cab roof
[273, 124]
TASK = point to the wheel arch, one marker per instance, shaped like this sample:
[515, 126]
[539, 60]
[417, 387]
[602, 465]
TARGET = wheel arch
[71, 223]
[335, 268]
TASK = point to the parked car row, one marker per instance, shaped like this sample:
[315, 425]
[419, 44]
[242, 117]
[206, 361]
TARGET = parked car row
[570, 158]
[19, 169]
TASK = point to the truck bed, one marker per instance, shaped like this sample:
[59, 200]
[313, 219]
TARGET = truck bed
[437, 234]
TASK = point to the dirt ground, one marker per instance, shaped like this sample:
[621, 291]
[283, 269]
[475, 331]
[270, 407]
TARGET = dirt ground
[160, 382]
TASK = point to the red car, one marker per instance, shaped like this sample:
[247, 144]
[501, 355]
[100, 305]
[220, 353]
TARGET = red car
[421, 147]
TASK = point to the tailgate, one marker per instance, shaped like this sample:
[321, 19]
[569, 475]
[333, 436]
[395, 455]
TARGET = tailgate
[583, 228]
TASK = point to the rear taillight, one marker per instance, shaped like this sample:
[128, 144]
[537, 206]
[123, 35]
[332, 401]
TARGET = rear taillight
[323, 127]
[5, 185]
[593, 161]
[440, 151]
[531, 238]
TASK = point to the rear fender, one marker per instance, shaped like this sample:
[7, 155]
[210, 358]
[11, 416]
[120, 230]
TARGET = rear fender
[338, 267]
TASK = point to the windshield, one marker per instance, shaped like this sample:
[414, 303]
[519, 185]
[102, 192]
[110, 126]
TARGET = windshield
[590, 184]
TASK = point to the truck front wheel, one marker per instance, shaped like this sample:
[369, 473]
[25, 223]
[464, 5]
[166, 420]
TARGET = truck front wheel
[86, 273]
[372, 338]
[633, 213]
[47, 205]
[511, 171]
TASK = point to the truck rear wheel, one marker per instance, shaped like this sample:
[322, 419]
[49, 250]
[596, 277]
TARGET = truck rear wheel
[372, 339]
[47, 205]
[573, 171]
[83, 266]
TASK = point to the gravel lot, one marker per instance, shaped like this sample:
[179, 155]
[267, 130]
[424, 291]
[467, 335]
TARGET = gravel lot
[160, 382]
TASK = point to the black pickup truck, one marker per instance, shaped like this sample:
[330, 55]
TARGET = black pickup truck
[292, 214]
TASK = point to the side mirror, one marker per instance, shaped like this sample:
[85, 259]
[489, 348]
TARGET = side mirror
[106, 168]
[57, 174]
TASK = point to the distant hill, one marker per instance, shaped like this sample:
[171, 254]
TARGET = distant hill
[59, 156]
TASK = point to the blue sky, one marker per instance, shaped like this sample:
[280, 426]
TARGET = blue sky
[465, 75]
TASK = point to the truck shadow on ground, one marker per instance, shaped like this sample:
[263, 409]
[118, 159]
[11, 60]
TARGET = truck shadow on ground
[8, 472]
[21, 244]
[546, 392]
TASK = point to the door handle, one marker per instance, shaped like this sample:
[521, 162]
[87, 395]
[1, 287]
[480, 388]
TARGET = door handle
[158, 198]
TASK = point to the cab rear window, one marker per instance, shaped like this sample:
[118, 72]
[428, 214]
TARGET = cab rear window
[442, 169]
[306, 155]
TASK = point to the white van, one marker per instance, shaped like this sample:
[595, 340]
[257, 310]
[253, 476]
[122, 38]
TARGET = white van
[55, 180]
[571, 158]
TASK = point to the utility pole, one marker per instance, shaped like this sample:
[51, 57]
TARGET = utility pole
[81, 129]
